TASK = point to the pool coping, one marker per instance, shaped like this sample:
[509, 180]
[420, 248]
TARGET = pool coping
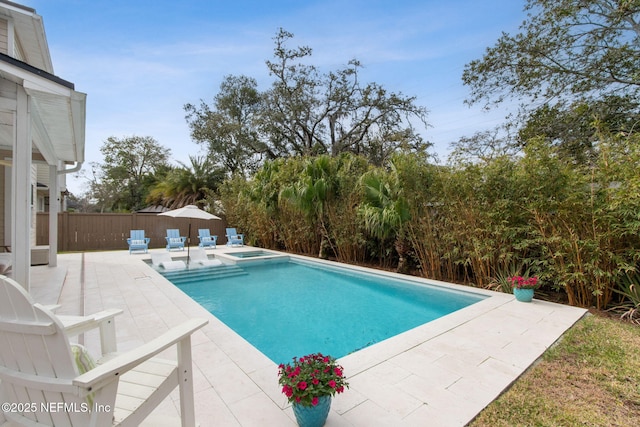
[402, 342]
[364, 359]
[440, 373]
[273, 255]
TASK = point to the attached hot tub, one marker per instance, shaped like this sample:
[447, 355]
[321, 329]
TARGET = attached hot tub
[252, 255]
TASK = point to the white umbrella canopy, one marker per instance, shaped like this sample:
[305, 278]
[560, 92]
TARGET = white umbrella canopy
[189, 211]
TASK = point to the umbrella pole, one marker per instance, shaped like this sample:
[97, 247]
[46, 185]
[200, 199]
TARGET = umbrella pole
[188, 241]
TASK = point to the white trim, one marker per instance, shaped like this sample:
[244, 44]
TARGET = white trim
[79, 119]
[45, 146]
[54, 206]
[33, 83]
[21, 191]
[7, 204]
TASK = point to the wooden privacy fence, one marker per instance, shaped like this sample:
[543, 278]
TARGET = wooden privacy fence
[109, 231]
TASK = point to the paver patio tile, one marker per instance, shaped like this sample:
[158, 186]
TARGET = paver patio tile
[441, 373]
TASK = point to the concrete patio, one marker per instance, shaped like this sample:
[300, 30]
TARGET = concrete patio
[442, 373]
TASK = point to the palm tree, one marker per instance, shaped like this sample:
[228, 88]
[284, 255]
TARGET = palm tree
[188, 185]
[385, 210]
[310, 195]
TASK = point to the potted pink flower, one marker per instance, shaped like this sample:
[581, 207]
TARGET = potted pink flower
[523, 287]
[309, 382]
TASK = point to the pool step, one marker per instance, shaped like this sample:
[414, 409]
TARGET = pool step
[178, 277]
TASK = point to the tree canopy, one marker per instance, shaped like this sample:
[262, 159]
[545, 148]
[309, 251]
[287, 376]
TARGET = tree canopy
[187, 184]
[565, 50]
[132, 165]
[229, 127]
[304, 112]
[576, 129]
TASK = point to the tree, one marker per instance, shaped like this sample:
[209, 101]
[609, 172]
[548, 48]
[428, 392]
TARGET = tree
[577, 128]
[305, 112]
[311, 193]
[309, 113]
[229, 127]
[565, 50]
[188, 185]
[385, 210]
[129, 170]
[483, 146]
[82, 203]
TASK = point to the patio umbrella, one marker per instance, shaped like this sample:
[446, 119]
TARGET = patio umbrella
[189, 211]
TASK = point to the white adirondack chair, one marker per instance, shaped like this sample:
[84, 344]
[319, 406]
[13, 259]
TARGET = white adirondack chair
[40, 384]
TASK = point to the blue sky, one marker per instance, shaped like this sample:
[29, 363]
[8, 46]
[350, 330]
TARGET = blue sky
[140, 62]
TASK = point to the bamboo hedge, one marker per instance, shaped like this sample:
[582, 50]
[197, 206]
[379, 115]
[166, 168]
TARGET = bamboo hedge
[574, 226]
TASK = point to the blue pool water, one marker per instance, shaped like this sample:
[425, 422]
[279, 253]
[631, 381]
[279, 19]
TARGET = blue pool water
[288, 309]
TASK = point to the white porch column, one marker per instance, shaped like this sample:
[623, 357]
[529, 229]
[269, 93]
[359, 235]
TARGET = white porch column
[54, 206]
[21, 193]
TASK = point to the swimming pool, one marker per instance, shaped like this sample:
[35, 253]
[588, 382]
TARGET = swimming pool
[292, 308]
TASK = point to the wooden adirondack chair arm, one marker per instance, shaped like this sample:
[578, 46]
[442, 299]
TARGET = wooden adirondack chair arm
[107, 372]
[75, 325]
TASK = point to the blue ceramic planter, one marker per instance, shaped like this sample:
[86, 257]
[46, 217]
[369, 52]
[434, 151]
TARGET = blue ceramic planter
[524, 295]
[313, 416]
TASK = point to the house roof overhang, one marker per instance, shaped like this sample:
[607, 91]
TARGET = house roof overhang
[30, 34]
[58, 111]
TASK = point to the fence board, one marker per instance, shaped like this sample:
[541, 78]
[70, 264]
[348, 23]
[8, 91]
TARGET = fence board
[103, 232]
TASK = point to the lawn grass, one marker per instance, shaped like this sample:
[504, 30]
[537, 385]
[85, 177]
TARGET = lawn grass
[590, 378]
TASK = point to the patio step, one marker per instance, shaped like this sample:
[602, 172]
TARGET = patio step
[204, 273]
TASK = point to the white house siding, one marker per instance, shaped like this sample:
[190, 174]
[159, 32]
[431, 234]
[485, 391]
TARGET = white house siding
[4, 36]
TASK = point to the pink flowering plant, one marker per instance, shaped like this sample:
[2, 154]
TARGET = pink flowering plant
[519, 282]
[310, 377]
